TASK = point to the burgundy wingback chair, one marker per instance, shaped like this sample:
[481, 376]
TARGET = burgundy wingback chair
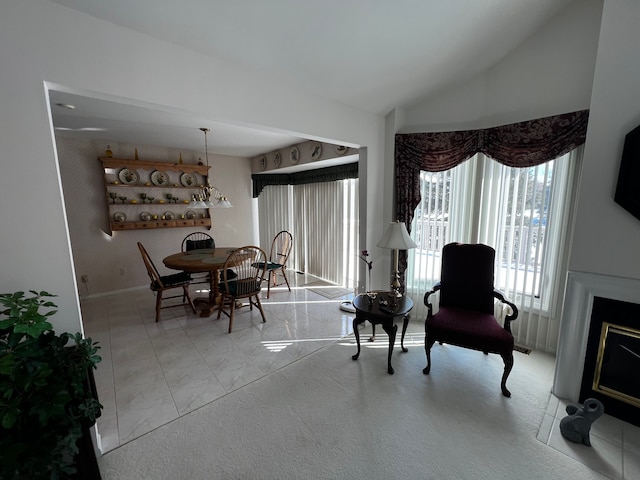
[466, 306]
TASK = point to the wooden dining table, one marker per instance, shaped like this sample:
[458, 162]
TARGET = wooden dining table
[209, 260]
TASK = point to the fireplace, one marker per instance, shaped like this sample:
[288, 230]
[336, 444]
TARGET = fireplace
[599, 345]
[612, 358]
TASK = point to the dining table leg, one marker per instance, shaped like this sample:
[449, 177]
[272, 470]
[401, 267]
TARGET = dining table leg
[210, 303]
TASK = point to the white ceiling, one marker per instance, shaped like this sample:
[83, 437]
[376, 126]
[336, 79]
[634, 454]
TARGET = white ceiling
[374, 55]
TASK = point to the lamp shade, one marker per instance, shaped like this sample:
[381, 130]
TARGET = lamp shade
[396, 237]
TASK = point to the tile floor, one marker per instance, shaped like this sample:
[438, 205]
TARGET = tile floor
[153, 373]
[615, 445]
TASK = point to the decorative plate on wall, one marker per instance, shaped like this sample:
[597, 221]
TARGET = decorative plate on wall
[188, 180]
[294, 155]
[316, 151]
[159, 178]
[128, 177]
[263, 162]
[277, 159]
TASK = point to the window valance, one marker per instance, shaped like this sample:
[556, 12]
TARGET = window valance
[521, 144]
[327, 174]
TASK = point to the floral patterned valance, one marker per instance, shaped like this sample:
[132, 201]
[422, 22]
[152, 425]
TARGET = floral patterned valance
[522, 144]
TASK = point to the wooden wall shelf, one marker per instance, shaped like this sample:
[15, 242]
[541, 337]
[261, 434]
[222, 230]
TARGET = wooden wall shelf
[131, 200]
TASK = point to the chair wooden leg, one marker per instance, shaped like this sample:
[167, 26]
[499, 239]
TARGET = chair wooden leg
[188, 297]
[259, 305]
[233, 308]
[428, 343]
[268, 285]
[508, 365]
[286, 279]
[158, 304]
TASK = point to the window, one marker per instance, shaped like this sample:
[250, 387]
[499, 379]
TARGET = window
[521, 212]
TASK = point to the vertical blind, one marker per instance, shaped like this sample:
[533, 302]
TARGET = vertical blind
[322, 218]
[523, 213]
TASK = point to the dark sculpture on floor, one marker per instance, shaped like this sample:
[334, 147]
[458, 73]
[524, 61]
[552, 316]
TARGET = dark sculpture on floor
[576, 426]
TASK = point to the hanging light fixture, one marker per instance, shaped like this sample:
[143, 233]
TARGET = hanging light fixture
[209, 196]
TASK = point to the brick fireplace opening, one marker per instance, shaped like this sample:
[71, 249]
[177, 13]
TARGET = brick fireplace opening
[612, 359]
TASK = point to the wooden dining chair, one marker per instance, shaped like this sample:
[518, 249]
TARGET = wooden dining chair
[278, 256]
[241, 277]
[197, 241]
[161, 284]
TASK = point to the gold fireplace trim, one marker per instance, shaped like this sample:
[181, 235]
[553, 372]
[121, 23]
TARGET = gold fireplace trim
[597, 387]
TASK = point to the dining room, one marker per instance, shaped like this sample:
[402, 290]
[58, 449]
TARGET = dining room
[113, 285]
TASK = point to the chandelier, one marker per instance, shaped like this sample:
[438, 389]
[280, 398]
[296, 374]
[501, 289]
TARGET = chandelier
[209, 196]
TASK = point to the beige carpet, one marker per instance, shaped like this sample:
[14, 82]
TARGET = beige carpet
[327, 289]
[328, 417]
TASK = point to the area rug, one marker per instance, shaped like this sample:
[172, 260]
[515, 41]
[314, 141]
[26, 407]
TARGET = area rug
[329, 417]
[327, 290]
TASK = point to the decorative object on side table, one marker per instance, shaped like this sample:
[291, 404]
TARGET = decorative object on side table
[363, 257]
[575, 427]
[396, 238]
[49, 400]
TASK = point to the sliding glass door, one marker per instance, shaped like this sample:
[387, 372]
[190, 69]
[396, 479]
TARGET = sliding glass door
[323, 219]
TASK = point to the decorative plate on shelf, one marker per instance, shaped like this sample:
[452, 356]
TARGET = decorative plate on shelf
[316, 151]
[263, 162]
[277, 159]
[145, 216]
[341, 149]
[159, 178]
[294, 155]
[188, 180]
[119, 217]
[169, 215]
[190, 214]
[128, 177]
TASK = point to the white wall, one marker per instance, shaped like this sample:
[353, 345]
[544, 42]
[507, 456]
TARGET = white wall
[43, 42]
[113, 262]
[550, 73]
[606, 237]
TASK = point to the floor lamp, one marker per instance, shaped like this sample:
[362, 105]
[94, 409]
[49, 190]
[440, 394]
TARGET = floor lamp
[396, 238]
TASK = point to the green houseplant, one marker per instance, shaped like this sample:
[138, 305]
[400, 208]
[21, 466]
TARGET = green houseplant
[46, 400]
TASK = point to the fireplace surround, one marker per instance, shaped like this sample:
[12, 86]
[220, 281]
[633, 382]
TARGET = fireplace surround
[574, 354]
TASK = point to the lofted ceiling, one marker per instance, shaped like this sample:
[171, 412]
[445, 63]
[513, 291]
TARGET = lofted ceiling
[373, 55]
